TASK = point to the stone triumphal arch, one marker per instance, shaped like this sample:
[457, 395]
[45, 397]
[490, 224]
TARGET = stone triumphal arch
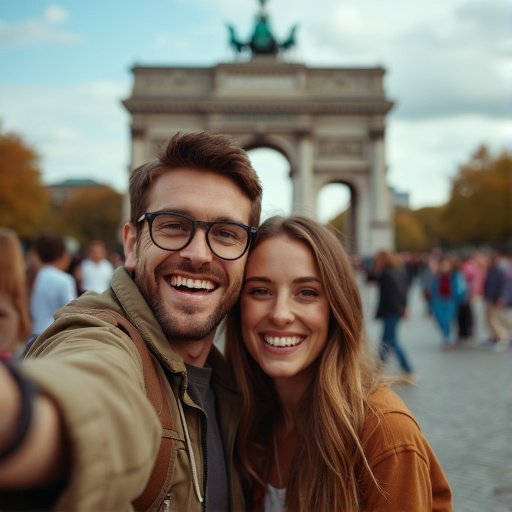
[329, 123]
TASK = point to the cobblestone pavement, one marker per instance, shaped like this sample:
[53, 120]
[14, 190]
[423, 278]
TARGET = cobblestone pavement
[463, 403]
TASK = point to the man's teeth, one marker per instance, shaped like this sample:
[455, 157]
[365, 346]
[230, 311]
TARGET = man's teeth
[289, 341]
[192, 283]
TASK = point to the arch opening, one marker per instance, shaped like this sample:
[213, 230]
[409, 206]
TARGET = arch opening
[274, 171]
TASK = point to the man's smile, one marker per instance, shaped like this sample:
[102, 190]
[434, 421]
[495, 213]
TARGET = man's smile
[192, 284]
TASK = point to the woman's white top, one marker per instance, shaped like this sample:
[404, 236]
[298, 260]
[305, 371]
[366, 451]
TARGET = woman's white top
[274, 499]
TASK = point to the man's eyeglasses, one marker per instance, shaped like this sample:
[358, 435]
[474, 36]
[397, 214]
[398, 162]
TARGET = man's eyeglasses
[174, 231]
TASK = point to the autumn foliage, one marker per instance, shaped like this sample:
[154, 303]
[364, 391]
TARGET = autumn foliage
[94, 214]
[479, 212]
[24, 200]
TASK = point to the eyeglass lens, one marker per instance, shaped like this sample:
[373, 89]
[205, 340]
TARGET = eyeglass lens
[173, 232]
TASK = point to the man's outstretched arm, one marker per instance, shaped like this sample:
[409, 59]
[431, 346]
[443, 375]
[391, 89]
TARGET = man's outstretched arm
[39, 458]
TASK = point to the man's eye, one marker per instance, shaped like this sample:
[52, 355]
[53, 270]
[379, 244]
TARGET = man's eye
[225, 234]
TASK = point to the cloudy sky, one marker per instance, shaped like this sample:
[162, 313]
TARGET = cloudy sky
[66, 66]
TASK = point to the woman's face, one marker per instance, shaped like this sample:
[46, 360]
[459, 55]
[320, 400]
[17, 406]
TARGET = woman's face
[285, 311]
[9, 324]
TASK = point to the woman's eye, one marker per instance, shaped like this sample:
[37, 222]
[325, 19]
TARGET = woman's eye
[257, 291]
[308, 293]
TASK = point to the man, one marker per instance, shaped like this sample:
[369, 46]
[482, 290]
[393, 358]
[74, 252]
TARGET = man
[96, 270]
[53, 286]
[193, 216]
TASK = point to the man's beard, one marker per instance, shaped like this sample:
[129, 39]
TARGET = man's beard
[172, 320]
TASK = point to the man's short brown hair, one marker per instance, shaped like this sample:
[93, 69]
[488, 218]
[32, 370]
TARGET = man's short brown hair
[203, 151]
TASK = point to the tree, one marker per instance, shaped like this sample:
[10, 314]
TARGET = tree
[94, 214]
[409, 233]
[428, 218]
[24, 200]
[480, 207]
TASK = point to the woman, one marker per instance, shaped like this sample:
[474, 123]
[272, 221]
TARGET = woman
[448, 289]
[15, 324]
[319, 429]
[391, 276]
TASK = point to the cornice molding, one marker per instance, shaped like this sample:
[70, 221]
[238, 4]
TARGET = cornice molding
[269, 107]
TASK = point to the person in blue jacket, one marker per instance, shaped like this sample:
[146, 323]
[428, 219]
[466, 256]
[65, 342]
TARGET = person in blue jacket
[448, 290]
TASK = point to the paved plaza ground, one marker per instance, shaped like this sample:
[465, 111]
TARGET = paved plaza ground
[463, 403]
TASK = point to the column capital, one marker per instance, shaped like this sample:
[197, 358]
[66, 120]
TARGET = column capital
[376, 133]
[137, 132]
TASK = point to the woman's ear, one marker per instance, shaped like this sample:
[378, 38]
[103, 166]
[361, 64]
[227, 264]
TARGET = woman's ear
[130, 245]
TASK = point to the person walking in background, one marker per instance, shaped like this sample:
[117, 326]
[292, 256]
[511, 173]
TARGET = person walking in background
[53, 286]
[320, 430]
[427, 272]
[15, 323]
[495, 296]
[507, 301]
[448, 289]
[465, 317]
[390, 274]
[96, 269]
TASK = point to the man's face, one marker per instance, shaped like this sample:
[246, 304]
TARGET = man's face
[189, 290]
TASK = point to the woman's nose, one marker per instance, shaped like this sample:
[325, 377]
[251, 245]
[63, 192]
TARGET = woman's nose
[281, 313]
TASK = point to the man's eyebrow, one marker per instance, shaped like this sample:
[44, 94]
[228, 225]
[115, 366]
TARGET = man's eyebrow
[188, 213]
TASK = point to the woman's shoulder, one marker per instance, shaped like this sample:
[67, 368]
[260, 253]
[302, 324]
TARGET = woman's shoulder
[389, 424]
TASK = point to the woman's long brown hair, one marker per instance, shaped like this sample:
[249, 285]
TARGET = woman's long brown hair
[333, 410]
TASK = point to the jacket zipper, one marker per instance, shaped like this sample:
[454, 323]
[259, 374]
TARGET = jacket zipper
[204, 434]
[167, 502]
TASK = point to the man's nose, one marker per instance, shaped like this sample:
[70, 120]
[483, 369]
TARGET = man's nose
[197, 251]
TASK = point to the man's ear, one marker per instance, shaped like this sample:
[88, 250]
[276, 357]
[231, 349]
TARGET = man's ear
[130, 245]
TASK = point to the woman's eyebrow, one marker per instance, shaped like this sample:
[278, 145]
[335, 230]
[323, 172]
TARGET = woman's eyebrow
[258, 278]
[307, 279]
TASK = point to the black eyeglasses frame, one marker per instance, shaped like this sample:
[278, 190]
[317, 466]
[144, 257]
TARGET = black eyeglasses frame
[151, 216]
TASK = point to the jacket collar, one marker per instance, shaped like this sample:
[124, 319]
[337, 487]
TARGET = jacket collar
[136, 309]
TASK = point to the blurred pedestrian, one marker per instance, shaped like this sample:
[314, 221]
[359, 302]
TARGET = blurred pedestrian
[426, 275]
[507, 305]
[465, 317]
[97, 270]
[53, 286]
[495, 297]
[448, 290]
[15, 324]
[390, 274]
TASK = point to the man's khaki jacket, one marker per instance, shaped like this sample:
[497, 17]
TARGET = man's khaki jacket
[94, 372]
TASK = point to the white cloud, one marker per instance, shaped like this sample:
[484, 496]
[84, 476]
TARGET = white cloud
[79, 131]
[423, 156]
[38, 31]
[56, 14]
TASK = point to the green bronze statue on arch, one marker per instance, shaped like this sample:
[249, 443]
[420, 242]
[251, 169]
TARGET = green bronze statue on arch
[262, 41]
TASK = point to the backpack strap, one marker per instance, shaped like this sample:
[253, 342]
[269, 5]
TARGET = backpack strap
[156, 395]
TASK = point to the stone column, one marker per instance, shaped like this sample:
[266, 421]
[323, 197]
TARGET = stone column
[138, 157]
[362, 213]
[381, 229]
[304, 201]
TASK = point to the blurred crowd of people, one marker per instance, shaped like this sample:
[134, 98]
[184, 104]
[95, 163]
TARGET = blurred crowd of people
[38, 280]
[452, 285]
